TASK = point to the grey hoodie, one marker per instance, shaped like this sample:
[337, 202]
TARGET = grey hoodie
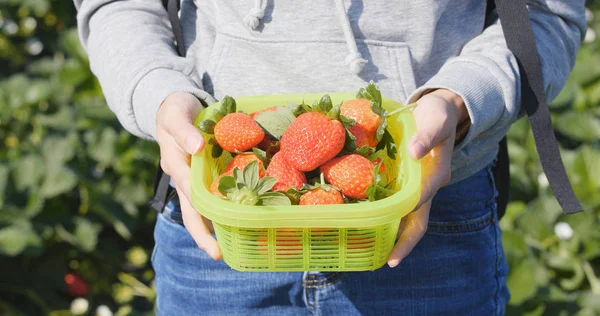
[268, 46]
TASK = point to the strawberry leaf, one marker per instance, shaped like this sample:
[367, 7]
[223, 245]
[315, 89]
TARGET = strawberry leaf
[207, 126]
[350, 144]
[216, 150]
[261, 155]
[294, 195]
[251, 175]
[371, 93]
[334, 112]
[228, 105]
[265, 184]
[381, 129]
[226, 185]
[387, 142]
[218, 115]
[301, 109]
[274, 198]
[275, 123]
[324, 104]
[365, 151]
[346, 121]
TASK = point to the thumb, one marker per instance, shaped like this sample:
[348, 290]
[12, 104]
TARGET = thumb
[177, 119]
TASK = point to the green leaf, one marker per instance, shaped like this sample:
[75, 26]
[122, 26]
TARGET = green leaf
[372, 93]
[63, 118]
[73, 73]
[13, 240]
[27, 172]
[521, 282]
[86, 233]
[265, 184]
[58, 182]
[325, 104]
[251, 175]
[274, 198]
[207, 126]
[228, 105]
[575, 281]
[216, 150]
[346, 121]
[261, 155]
[275, 123]
[367, 151]
[381, 129]
[334, 113]
[579, 125]
[57, 150]
[227, 184]
[350, 144]
[4, 171]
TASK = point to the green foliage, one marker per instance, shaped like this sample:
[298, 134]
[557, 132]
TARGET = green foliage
[74, 185]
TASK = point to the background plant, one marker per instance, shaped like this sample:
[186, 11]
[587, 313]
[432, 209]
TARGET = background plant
[74, 185]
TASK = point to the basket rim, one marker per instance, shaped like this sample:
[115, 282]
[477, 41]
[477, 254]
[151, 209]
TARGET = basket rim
[293, 216]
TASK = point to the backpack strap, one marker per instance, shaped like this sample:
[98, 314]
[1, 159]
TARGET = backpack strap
[520, 40]
[163, 191]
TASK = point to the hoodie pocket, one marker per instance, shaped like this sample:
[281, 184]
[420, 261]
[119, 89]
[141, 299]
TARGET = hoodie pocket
[242, 66]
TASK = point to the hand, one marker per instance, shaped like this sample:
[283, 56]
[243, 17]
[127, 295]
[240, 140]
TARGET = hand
[437, 116]
[178, 139]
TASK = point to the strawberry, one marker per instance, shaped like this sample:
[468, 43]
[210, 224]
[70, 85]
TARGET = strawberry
[240, 161]
[286, 175]
[366, 121]
[321, 193]
[234, 132]
[353, 174]
[370, 127]
[76, 285]
[238, 132]
[245, 187]
[214, 186]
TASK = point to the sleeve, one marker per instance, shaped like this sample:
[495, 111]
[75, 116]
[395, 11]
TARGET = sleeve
[132, 53]
[486, 74]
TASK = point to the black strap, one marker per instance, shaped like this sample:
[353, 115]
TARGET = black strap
[518, 32]
[163, 192]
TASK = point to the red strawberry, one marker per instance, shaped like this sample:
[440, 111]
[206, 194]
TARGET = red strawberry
[214, 186]
[76, 285]
[311, 140]
[242, 160]
[286, 175]
[321, 196]
[352, 174]
[238, 132]
[366, 121]
[270, 109]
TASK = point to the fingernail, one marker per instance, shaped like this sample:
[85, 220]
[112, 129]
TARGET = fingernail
[419, 148]
[192, 144]
[393, 263]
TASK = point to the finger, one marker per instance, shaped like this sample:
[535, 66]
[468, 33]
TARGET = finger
[433, 125]
[416, 226]
[176, 163]
[195, 225]
[178, 122]
[436, 169]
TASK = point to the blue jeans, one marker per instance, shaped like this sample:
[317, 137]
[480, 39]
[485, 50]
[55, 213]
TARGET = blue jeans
[458, 268]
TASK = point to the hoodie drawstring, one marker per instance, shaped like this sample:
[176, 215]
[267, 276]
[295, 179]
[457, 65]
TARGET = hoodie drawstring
[252, 19]
[354, 58]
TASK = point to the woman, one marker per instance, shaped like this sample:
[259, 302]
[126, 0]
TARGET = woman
[436, 53]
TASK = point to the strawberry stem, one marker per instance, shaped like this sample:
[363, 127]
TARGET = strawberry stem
[404, 108]
[322, 179]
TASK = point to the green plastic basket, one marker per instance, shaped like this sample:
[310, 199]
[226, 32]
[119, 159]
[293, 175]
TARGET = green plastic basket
[347, 237]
